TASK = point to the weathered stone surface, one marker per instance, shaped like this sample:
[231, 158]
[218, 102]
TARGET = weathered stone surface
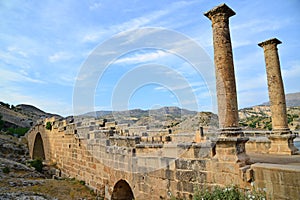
[275, 85]
[186, 175]
[225, 79]
[277, 100]
[280, 181]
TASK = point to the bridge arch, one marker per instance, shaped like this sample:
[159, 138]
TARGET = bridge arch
[38, 147]
[122, 191]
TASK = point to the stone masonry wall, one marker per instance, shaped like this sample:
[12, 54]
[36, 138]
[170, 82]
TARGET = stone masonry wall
[279, 181]
[154, 169]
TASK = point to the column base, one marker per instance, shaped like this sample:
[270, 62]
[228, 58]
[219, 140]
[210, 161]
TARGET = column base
[231, 149]
[282, 144]
[230, 132]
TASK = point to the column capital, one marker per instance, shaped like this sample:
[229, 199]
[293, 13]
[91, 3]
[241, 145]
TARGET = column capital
[270, 41]
[221, 9]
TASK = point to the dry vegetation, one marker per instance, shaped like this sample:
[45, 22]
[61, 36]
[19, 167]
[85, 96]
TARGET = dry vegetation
[59, 189]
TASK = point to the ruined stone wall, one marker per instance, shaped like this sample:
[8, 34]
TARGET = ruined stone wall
[279, 181]
[258, 145]
[157, 169]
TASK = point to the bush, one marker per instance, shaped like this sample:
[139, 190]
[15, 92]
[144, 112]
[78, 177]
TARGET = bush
[82, 182]
[49, 126]
[231, 193]
[37, 164]
[5, 170]
[17, 131]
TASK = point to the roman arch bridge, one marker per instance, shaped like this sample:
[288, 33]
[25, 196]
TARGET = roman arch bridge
[164, 165]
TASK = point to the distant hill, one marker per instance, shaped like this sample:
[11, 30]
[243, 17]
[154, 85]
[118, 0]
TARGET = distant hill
[21, 115]
[154, 118]
[203, 119]
[292, 100]
[259, 117]
[171, 110]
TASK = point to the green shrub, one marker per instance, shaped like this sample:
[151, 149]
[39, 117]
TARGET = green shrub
[82, 182]
[48, 126]
[228, 193]
[17, 131]
[37, 164]
[5, 170]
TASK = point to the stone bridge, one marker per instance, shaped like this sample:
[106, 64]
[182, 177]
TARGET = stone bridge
[123, 167]
[150, 167]
[163, 165]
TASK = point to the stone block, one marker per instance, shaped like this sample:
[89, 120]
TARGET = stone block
[198, 164]
[187, 187]
[201, 177]
[169, 174]
[181, 164]
[186, 175]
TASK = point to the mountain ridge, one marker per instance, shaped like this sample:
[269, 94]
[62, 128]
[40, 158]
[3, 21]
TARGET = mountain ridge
[22, 115]
[292, 100]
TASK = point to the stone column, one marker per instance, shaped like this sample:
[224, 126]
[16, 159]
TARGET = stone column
[224, 68]
[230, 145]
[230, 154]
[281, 138]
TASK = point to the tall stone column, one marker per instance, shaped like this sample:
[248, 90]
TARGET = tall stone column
[281, 138]
[224, 68]
[230, 145]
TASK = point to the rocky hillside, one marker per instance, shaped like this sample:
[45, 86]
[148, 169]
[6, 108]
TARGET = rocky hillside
[155, 118]
[21, 115]
[203, 119]
[259, 117]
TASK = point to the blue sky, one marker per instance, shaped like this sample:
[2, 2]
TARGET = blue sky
[44, 46]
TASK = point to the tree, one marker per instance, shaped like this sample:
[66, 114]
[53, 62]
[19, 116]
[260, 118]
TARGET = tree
[5, 104]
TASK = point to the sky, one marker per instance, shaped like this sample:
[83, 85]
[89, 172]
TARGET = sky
[71, 57]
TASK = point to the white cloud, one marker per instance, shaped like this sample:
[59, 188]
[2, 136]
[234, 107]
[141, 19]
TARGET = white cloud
[18, 51]
[138, 22]
[59, 56]
[10, 76]
[195, 85]
[93, 36]
[142, 57]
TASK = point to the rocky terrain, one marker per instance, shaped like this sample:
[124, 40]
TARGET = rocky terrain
[19, 180]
